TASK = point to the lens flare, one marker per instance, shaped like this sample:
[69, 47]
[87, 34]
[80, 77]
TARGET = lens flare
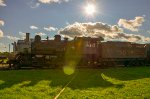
[68, 70]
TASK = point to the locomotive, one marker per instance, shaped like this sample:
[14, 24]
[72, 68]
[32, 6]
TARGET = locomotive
[79, 52]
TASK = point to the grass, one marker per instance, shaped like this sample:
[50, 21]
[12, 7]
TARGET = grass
[122, 83]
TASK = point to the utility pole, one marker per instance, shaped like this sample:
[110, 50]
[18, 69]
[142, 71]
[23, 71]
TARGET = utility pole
[9, 48]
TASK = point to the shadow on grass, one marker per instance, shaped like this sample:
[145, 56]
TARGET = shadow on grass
[84, 78]
[129, 73]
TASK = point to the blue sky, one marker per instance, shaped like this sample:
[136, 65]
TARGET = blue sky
[19, 15]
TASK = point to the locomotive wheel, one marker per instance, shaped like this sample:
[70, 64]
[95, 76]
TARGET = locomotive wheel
[18, 63]
[16, 66]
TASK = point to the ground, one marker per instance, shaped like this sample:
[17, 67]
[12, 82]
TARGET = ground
[112, 83]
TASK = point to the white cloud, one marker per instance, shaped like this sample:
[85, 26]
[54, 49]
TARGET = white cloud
[12, 38]
[128, 37]
[23, 35]
[2, 3]
[2, 45]
[33, 27]
[33, 4]
[99, 29]
[67, 23]
[50, 28]
[132, 25]
[89, 29]
[52, 1]
[1, 22]
[1, 33]
[41, 34]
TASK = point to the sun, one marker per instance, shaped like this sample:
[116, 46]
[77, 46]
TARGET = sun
[90, 9]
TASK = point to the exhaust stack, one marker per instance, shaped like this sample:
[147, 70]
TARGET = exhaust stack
[27, 37]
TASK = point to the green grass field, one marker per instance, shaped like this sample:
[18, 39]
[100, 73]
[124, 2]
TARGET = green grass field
[122, 83]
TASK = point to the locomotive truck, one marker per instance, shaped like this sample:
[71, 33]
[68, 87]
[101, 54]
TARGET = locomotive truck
[80, 52]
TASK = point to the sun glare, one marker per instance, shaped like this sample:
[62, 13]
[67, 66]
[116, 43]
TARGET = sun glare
[90, 9]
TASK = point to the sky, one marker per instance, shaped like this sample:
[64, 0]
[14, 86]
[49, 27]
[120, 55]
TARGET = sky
[123, 20]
